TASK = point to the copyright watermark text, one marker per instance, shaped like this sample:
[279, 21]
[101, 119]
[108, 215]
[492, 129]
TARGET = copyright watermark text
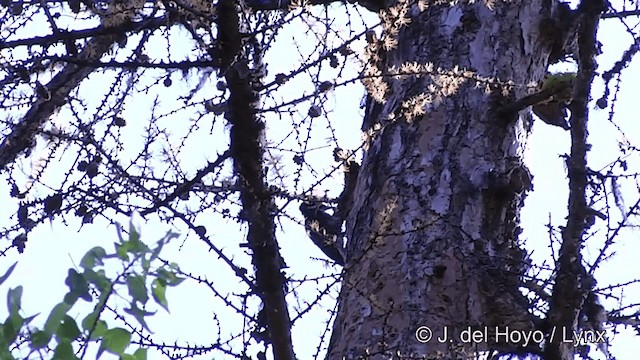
[497, 334]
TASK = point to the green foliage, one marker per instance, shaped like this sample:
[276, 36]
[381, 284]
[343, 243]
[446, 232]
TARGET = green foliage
[14, 297]
[55, 318]
[144, 276]
[39, 339]
[68, 329]
[158, 288]
[139, 314]
[558, 80]
[561, 84]
[137, 288]
[93, 257]
[11, 327]
[115, 341]
[140, 354]
[64, 351]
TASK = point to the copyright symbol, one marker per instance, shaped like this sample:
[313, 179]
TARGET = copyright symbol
[423, 334]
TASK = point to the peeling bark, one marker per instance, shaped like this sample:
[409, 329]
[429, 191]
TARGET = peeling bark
[433, 236]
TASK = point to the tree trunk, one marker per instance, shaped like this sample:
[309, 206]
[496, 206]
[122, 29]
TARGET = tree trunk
[433, 234]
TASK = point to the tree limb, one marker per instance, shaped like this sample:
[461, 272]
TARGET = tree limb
[573, 284]
[22, 136]
[246, 146]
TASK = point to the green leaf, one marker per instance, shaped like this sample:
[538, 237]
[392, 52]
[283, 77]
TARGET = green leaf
[139, 247]
[98, 330]
[101, 328]
[5, 353]
[78, 286]
[14, 300]
[559, 80]
[94, 317]
[168, 237]
[93, 257]
[137, 288]
[99, 279]
[30, 318]
[90, 320]
[55, 318]
[64, 351]
[3, 344]
[122, 250]
[115, 341]
[40, 339]
[139, 314]
[133, 245]
[68, 329]
[12, 327]
[134, 235]
[70, 298]
[140, 354]
[169, 277]
[146, 264]
[6, 275]
[158, 289]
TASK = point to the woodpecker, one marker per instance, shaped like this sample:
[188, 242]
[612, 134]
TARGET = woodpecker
[351, 170]
[553, 113]
[324, 230]
[553, 110]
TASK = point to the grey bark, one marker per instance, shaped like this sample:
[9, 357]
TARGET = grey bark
[433, 234]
